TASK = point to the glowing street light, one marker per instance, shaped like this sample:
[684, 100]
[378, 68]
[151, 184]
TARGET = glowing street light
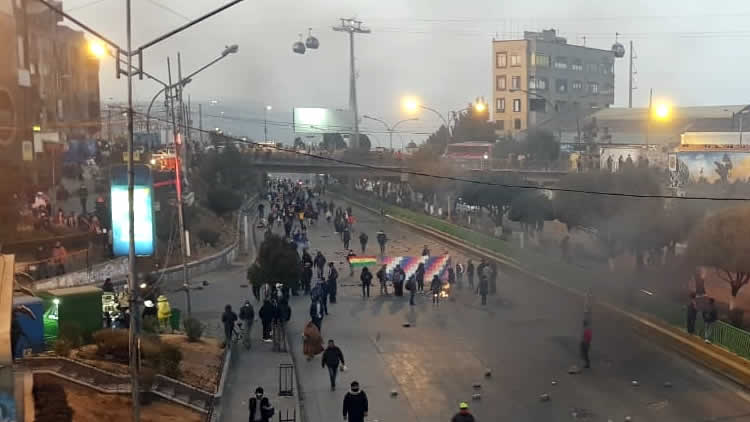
[480, 107]
[410, 104]
[662, 111]
[97, 49]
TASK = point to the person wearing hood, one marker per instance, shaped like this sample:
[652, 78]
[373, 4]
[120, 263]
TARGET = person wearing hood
[463, 414]
[312, 340]
[382, 240]
[228, 318]
[283, 315]
[363, 238]
[355, 404]
[164, 311]
[266, 314]
[260, 407]
[247, 316]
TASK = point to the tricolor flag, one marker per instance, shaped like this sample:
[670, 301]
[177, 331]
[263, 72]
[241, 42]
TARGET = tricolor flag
[362, 261]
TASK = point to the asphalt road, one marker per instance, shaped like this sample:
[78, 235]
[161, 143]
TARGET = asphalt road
[527, 335]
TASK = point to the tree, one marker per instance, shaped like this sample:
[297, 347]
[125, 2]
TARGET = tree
[277, 262]
[497, 199]
[472, 126]
[531, 208]
[542, 146]
[722, 242]
[299, 144]
[333, 141]
[620, 223]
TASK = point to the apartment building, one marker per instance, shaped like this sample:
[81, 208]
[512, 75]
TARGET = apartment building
[542, 77]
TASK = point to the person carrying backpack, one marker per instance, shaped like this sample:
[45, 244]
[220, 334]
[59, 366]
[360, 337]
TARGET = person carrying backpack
[411, 286]
[363, 241]
[382, 240]
[366, 279]
[247, 315]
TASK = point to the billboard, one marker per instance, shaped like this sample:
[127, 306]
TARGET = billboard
[713, 166]
[142, 207]
[323, 120]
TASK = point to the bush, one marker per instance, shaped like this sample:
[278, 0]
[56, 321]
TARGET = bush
[222, 200]
[209, 236]
[72, 333]
[50, 403]
[114, 343]
[193, 329]
[170, 357]
[63, 347]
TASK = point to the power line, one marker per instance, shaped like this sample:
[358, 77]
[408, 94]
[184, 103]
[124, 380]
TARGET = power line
[169, 9]
[473, 181]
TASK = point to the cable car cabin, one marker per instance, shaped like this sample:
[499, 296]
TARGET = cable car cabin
[472, 155]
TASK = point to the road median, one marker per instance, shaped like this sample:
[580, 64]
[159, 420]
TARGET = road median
[711, 356]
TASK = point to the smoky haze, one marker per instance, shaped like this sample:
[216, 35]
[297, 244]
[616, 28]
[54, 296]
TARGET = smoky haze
[437, 50]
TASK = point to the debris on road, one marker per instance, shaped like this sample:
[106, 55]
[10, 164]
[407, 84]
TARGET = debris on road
[394, 393]
[487, 373]
[634, 383]
[476, 396]
[477, 386]
[544, 397]
[554, 382]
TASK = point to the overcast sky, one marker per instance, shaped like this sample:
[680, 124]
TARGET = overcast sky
[689, 51]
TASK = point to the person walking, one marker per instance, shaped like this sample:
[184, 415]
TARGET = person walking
[267, 313]
[435, 287]
[470, 273]
[382, 276]
[333, 276]
[459, 275]
[332, 356]
[320, 263]
[382, 240]
[710, 315]
[451, 276]
[355, 404]
[247, 316]
[493, 273]
[312, 342]
[363, 238]
[307, 274]
[366, 279]
[228, 318]
[411, 286]
[586, 344]
[398, 278]
[346, 237]
[316, 313]
[320, 293]
[692, 314]
[483, 289]
[463, 414]
[349, 257]
[282, 316]
[260, 407]
[419, 276]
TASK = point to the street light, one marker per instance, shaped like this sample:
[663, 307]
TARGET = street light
[389, 128]
[97, 49]
[662, 111]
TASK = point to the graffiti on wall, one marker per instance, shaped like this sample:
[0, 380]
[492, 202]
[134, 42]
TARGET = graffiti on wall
[713, 166]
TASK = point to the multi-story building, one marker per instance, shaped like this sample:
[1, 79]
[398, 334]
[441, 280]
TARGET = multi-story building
[542, 77]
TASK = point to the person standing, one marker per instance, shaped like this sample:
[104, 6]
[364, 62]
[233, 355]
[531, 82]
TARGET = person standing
[260, 407]
[320, 293]
[312, 341]
[419, 276]
[228, 318]
[267, 313]
[316, 313]
[282, 316]
[586, 344]
[411, 286]
[83, 195]
[247, 316]
[307, 274]
[346, 237]
[426, 251]
[398, 278]
[493, 273]
[355, 404]
[710, 315]
[164, 312]
[366, 279]
[692, 314]
[333, 276]
[483, 289]
[332, 356]
[463, 414]
[349, 257]
[382, 276]
[435, 287]
[382, 240]
[363, 238]
[320, 263]
[451, 276]
[459, 275]
[470, 273]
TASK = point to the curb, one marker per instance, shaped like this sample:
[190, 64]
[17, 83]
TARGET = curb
[718, 360]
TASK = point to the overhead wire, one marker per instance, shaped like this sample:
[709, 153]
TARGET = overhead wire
[473, 181]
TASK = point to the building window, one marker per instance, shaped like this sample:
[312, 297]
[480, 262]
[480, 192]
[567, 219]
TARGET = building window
[517, 124]
[500, 124]
[501, 60]
[532, 82]
[500, 105]
[593, 87]
[577, 85]
[577, 65]
[562, 85]
[561, 63]
[515, 82]
[517, 105]
[592, 67]
[541, 84]
[500, 82]
[540, 60]
[515, 60]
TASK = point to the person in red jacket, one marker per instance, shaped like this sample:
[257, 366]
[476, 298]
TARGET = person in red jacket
[586, 343]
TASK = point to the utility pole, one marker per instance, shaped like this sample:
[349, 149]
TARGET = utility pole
[352, 26]
[630, 77]
[648, 116]
[200, 122]
[178, 184]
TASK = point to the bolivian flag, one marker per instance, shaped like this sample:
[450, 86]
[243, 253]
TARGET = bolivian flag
[362, 261]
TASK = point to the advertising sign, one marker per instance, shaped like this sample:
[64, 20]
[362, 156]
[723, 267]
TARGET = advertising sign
[713, 166]
[143, 209]
[323, 120]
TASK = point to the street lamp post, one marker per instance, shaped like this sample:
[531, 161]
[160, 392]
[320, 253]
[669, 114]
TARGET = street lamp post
[389, 128]
[266, 109]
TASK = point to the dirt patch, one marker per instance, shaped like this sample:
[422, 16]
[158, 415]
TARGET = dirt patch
[91, 406]
[199, 366]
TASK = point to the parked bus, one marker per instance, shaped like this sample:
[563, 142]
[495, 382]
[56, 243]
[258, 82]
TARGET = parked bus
[469, 154]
